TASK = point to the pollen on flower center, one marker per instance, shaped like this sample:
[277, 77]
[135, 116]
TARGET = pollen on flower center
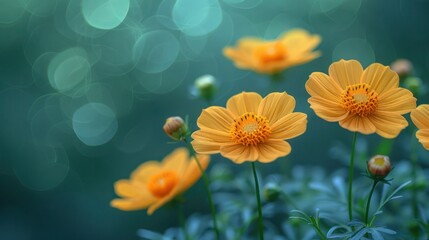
[250, 129]
[162, 183]
[359, 99]
[270, 52]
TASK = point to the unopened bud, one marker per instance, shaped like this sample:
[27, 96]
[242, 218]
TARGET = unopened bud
[271, 192]
[415, 85]
[402, 67]
[176, 128]
[379, 166]
[206, 87]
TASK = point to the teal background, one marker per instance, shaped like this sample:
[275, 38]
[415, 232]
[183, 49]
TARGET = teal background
[85, 87]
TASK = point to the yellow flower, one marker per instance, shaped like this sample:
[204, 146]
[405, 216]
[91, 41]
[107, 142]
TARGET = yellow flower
[250, 128]
[420, 118]
[155, 183]
[367, 101]
[270, 57]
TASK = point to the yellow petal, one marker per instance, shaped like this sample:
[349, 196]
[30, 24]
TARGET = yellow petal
[355, 123]
[420, 116]
[239, 153]
[209, 141]
[193, 173]
[145, 170]
[160, 202]
[380, 78]
[327, 110]
[177, 161]
[423, 136]
[388, 125]
[273, 149]
[275, 106]
[290, 126]
[240, 58]
[397, 100]
[130, 189]
[346, 73]
[299, 41]
[243, 102]
[217, 118]
[131, 204]
[321, 85]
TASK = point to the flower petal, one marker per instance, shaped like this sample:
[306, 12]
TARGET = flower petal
[217, 118]
[423, 136]
[420, 116]
[130, 189]
[242, 103]
[275, 106]
[239, 153]
[380, 78]
[131, 204]
[388, 125]
[321, 85]
[177, 161]
[208, 141]
[193, 173]
[327, 110]
[160, 202]
[290, 126]
[145, 170]
[355, 123]
[397, 100]
[273, 149]
[299, 41]
[346, 72]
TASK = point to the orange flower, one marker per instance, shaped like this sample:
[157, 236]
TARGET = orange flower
[155, 183]
[270, 57]
[361, 101]
[250, 128]
[420, 118]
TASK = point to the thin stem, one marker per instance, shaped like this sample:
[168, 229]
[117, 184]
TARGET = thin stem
[182, 223]
[414, 158]
[206, 183]
[352, 158]
[258, 198]
[321, 235]
[368, 203]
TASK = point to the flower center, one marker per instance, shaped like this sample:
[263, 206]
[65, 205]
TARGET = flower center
[162, 183]
[250, 129]
[359, 99]
[270, 52]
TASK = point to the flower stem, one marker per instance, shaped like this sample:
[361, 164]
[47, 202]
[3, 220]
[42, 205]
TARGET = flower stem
[368, 203]
[414, 158]
[352, 158]
[206, 183]
[258, 199]
[182, 223]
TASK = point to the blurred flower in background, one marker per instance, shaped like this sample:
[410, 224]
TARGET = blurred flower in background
[250, 128]
[420, 117]
[293, 48]
[361, 101]
[154, 183]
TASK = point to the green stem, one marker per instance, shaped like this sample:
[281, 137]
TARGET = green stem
[321, 235]
[350, 197]
[258, 199]
[182, 220]
[368, 203]
[414, 158]
[206, 183]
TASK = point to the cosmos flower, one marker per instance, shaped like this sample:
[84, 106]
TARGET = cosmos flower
[293, 48]
[420, 118]
[154, 183]
[369, 101]
[250, 128]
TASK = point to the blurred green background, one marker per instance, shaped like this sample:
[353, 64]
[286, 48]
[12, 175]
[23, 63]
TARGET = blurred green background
[86, 85]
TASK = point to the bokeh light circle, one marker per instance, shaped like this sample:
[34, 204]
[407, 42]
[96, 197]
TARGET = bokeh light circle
[354, 48]
[105, 14]
[94, 124]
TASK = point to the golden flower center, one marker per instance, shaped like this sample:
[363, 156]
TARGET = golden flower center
[250, 129]
[359, 99]
[270, 52]
[162, 183]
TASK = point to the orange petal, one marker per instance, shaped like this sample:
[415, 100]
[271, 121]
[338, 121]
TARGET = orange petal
[131, 204]
[177, 161]
[275, 106]
[380, 78]
[290, 126]
[273, 149]
[327, 110]
[145, 170]
[397, 100]
[299, 41]
[420, 116]
[239, 153]
[321, 85]
[208, 141]
[130, 189]
[193, 173]
[388, 125]
[217, 118]
[423, 136]
[346, 72]
[242, 103]
[355, 123]
[160, 202]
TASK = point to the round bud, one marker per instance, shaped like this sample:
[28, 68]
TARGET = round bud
[206, 87]
[402, 67]
[379, 166]
[176, 128]
[271, 192]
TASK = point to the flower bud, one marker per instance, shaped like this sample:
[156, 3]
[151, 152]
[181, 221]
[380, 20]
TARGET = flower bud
[271, 192]
[379, 166]
[402, 67]
[206, 87]
[415, 85]
[176, 128]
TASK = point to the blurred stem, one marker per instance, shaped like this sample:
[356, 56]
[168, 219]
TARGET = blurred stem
[258, 199]
[368, 203]
[206, 183]
[350, 196]
[181, 213]
[414, 158]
